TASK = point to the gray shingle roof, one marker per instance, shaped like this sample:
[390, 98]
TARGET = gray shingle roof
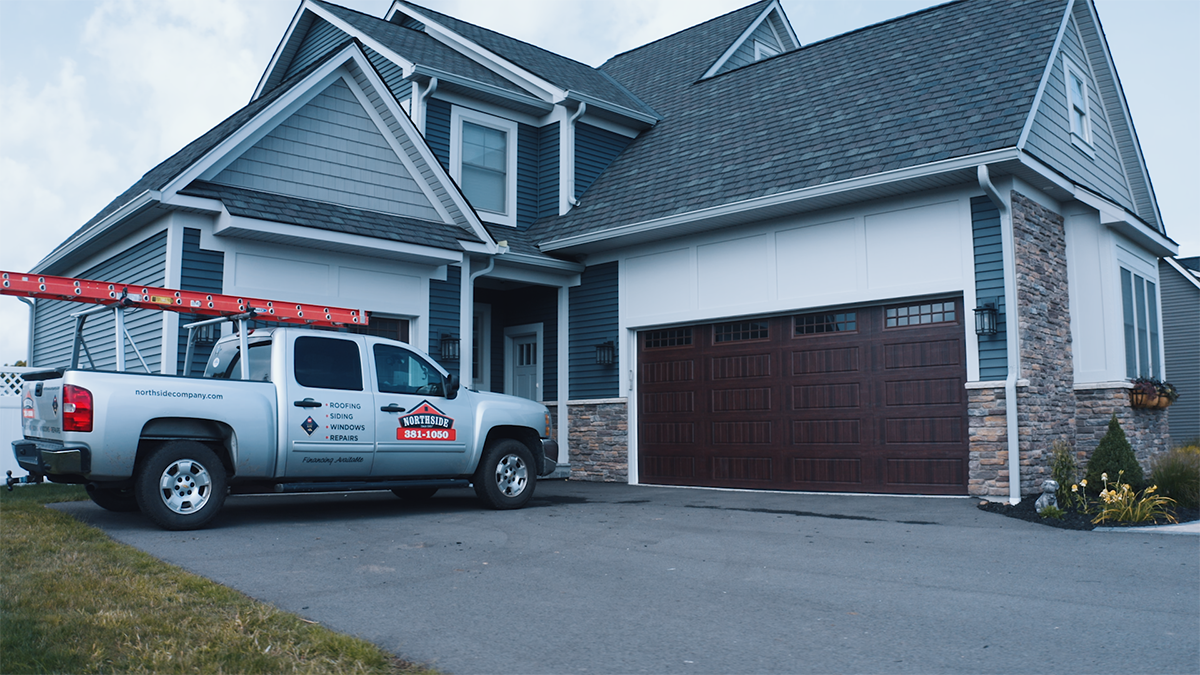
[331, 217]
[950, 81]
[419, 47]
[560, 70]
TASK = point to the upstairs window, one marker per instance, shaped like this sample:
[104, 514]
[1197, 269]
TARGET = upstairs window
[483, 161]
[1139, 300]
[1077, 104]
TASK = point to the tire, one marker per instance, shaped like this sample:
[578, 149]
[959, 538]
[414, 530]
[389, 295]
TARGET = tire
[506, 476]
[119, 500]
[181, 486]
[415, 495]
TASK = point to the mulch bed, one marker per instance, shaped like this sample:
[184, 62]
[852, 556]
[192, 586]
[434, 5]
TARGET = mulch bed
[1073, 520]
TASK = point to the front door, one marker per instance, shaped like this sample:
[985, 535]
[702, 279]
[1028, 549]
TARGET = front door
[419, 430]
[523, 365]
[330, 414]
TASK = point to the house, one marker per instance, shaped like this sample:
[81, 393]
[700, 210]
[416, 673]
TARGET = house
[1180, 291]
[906, 259]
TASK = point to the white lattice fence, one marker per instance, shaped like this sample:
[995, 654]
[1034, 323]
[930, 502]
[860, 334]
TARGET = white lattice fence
[11, 378]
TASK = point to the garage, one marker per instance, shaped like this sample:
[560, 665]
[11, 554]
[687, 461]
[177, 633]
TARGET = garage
[861, 399]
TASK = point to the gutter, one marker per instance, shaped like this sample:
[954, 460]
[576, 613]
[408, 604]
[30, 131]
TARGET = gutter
[571, 197]
[421, 96]
[130, 208]
[32, 315]
[1011, 333]
[466, 313]
[435, 74]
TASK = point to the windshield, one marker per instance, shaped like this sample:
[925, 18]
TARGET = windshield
[225, 362]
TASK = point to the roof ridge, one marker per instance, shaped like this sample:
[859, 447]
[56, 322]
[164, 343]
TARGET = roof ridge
[684, 30]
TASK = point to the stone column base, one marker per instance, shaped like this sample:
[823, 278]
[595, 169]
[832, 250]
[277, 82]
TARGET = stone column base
[599, 439]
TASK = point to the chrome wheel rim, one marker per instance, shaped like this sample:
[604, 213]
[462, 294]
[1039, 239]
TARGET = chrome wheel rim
[185, 486]
[511, 475]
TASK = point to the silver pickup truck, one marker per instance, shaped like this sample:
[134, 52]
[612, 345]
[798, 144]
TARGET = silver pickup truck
[314, 412]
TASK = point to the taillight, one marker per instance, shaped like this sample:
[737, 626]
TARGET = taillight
[77, 408]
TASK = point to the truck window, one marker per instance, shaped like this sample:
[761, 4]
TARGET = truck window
[328, 363]
[399, 371]
[225, 362]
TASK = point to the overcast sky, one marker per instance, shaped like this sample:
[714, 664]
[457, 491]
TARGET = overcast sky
[95, 93]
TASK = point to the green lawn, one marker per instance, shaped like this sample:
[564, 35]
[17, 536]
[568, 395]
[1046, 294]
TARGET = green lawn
[75, 601]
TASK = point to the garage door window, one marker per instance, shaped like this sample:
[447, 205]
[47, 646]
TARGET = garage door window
[826, 322]
[740, 331]
[919, 315]
[671, 337]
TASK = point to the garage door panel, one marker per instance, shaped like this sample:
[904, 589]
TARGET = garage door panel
[838, 401]
[825, 470]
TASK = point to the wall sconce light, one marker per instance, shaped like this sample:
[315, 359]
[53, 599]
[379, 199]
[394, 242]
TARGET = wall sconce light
[605, 353]
[986, 318]
[450, 347]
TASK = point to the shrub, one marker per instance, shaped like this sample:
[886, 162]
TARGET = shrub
[1177, 475]
[1114, 456]
[1064, 469]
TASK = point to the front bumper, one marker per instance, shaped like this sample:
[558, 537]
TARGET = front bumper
[52, 459]
[549, 457]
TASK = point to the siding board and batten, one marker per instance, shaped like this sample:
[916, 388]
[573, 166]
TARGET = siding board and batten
[142, 264]
[595, 149]
[437, 129]
[1181, 341]
[444, 313]
[202, 271]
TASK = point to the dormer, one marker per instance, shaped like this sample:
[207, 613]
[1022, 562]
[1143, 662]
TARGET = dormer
[770, 34]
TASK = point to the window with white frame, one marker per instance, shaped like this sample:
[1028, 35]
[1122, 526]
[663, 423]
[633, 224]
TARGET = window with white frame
[1078, 112]
[483, 161]
[1139, 301]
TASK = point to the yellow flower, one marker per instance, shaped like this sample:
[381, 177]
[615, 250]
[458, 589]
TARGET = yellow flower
[1074, 488]
[1083, 482]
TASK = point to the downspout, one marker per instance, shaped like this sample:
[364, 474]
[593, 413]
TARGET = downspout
[32, 316]
[421, 96]
[571, 125]
[1011, 333]
[466, 334]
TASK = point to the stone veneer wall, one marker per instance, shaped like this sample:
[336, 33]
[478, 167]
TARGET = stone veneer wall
[599, 440]
[1045, 392]
[988, 461]
[1146, 430]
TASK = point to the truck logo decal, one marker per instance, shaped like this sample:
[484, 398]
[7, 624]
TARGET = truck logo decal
[27, 407]
[426, 423]
[309, 426]
[54, 405]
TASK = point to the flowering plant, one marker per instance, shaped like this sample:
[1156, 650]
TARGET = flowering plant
[1122, 503]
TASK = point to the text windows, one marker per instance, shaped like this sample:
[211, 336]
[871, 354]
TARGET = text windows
[483, 161]
[1139, 302]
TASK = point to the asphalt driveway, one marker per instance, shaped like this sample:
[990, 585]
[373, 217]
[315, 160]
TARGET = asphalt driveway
[604, 578]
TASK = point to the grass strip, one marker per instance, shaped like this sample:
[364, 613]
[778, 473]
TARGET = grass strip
[72, 600]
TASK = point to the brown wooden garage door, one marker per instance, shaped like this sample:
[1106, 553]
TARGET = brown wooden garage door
[867, 399]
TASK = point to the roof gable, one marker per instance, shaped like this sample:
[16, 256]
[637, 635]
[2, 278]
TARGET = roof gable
[280, 143]
[768, 35]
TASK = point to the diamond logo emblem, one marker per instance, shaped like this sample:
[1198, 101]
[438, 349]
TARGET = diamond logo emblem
[309, 426]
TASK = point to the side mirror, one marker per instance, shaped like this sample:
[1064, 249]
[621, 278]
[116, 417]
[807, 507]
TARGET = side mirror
[452, 386]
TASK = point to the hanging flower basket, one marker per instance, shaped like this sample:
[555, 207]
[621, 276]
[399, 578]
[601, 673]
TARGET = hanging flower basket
[1149, 393]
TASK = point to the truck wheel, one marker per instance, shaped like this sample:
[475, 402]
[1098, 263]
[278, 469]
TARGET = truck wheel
[414, 495]
[120, 500]
[506, 476]
[181, 486]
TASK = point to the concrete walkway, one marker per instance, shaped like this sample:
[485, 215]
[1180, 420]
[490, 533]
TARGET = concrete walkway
[604, 578]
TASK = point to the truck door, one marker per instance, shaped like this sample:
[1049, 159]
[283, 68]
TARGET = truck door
[419, 431]
[330, 413]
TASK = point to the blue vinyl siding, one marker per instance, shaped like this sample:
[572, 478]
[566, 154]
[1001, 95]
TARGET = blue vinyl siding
[437, 129]
[595, 149]
[1050, 135]
[744, 55]
[143, 264]
[392, 74]
[444, 316]
[320, 39]
[531, 305]
[594, 319]
[203, 271]
[989, 283]
[527, 175]
[331, 151]
[548, 181]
